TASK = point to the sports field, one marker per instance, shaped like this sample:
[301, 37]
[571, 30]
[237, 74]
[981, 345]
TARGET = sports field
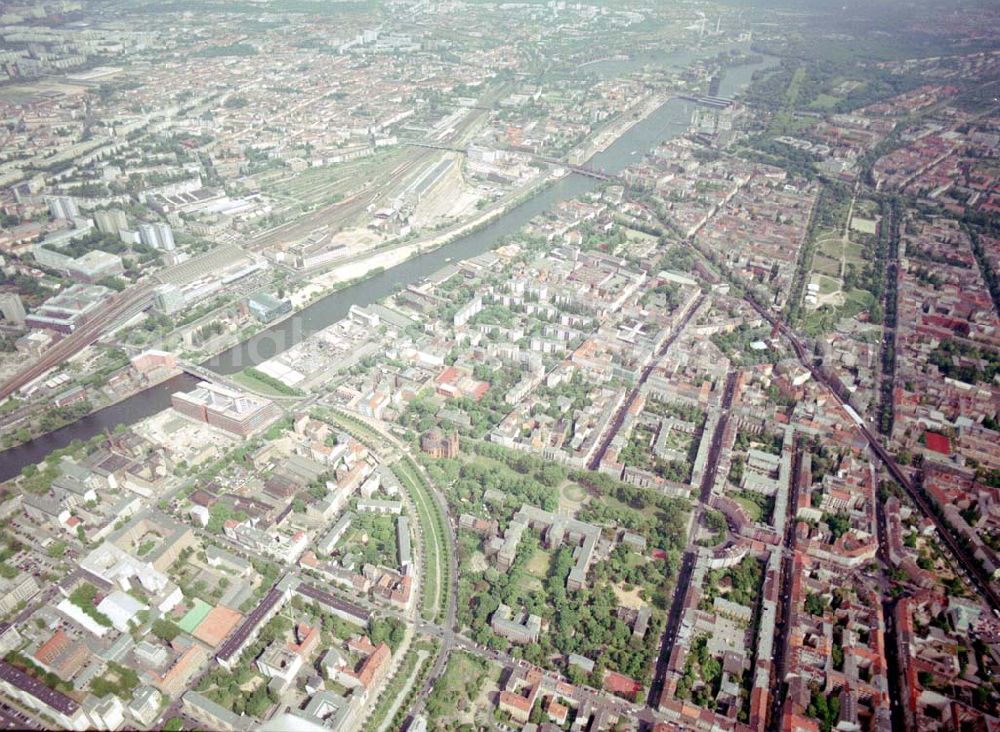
[194, 616]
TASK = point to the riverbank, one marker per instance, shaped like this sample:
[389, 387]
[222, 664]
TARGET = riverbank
[606, 137]
[378, 281]
[347, 275]
[356, 271]
[399, 253]
[12, 429]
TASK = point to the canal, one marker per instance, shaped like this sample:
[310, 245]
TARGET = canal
[668, 121]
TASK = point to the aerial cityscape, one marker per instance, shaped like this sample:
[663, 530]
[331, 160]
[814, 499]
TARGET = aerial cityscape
[376, 365]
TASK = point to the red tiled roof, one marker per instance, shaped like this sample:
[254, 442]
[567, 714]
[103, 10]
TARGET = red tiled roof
[514, 700]
[308, 639]
[449, 376]
[372, 665]
[557, 712]
[50, 650]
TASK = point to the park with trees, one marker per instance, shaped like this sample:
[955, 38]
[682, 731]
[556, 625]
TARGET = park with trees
[595, 620]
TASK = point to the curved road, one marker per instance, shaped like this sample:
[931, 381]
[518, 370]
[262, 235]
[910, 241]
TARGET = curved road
[447, 632]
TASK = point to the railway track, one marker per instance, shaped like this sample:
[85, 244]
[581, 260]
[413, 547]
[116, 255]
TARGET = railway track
[973, 571]
[123, 307]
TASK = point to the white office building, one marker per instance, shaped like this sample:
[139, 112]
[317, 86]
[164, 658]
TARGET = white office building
[111, 221]
[158, 236]
[63, 207]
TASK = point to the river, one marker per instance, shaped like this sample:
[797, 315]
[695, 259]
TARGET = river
[668, 121]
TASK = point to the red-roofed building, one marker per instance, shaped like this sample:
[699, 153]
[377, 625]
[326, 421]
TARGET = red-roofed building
[371, 669]
[557, 712]
[308, 639]
[62, 655]
[178, 675]
[798, 723]
[374, 667]
[454, 382]
[361, 645]
[518, 706]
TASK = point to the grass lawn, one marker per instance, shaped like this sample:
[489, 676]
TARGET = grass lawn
[853, 253]
[824, 265]
[634, 559]
[639, 236]
[459, 685]
[824, 101]
[862, 298]
[574, 492]
[538, 565]
[865, 226]
[820, 321]
[784, 123]
[830, 248]
[356, 427]
[436, 544]
[408, 675]
[677, 440]
[529, 584]
[649, 510]
[792, 92]
[866, 207]
[146, 548]
[261, 387]
[827, 285]
[830, 242]
[751, 507]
